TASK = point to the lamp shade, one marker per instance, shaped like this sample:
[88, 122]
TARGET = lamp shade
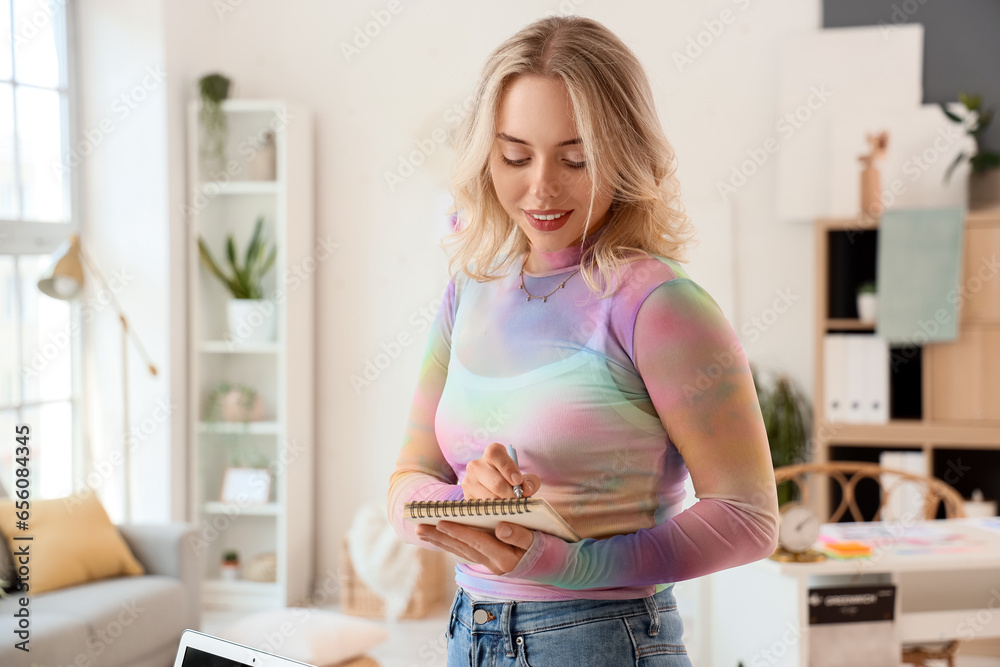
[63, 279]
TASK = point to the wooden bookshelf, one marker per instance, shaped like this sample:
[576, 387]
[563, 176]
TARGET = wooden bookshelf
[954, 418]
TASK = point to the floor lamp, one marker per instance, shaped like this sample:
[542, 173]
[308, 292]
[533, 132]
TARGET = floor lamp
[64, 280]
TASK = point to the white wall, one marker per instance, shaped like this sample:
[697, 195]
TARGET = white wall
[371, 112]
[126, 226]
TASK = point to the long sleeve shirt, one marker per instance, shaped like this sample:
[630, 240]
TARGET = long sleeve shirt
[612, 402]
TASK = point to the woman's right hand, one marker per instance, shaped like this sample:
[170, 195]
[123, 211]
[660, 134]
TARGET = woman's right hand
[494, 475]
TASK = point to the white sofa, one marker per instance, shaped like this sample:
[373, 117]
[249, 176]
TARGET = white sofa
[133, 621]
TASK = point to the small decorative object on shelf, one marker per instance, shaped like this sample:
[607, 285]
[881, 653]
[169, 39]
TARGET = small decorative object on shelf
[230, 403]
[214, 89]
[230, 566]
[984, 181]
[262, 567]
[252, 318]
[871, 182]
[867, 302]
[264, 164]
[978, 506]
[246, 486]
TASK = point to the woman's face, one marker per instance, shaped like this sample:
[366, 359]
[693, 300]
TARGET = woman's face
[537, 133]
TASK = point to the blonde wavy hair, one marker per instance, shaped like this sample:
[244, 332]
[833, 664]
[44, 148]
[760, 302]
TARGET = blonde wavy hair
[623, 144]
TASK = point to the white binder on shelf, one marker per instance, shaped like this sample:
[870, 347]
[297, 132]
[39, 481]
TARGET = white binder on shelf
[834, 377]
[877, 365]
[857, 378]
[856, 399]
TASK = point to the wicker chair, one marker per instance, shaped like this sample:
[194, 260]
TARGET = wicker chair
[848, 474]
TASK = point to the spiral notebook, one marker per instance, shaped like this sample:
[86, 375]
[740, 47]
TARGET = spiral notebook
[533, 513]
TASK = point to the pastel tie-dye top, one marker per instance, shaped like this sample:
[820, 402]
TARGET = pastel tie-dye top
[611, 402]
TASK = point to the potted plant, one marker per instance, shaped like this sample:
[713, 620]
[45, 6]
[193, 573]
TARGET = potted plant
[984, 181]
[231, 403]
[238, 404]
[787, 416]
[251, 317]
[214, 89]
[230, 566]
[867, 302]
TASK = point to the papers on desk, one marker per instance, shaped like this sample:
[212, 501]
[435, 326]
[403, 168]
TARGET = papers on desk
[989, 523]
[901, 539]
[856, 372]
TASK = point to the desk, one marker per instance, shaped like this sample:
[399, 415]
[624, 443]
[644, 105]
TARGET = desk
[946, 588]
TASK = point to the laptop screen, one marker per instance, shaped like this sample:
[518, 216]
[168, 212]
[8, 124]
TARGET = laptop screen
[195, 658]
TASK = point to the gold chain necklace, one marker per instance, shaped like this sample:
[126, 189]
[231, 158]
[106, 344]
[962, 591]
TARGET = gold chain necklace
[543, 298]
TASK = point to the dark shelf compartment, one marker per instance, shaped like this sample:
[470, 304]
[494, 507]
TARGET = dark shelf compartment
[968, 469]
[906, 382]
[851, 261]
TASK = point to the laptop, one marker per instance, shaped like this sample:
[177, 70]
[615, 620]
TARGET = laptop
[201, 650]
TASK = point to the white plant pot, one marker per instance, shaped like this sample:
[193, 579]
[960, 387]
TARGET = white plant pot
[252, 320]
[867, 307]
[229, 572]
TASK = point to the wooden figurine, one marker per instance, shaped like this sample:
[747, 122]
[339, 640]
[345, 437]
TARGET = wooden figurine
[871, 186]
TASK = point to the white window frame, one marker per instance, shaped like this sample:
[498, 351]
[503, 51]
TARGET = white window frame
[21, 237]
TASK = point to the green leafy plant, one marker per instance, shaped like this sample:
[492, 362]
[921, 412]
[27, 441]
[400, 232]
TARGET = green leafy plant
[867, 287]
[214, 88]
[213, 404]
[231, 556]
[787, 419]
[246, 282]
[976, 121]
[241, 453]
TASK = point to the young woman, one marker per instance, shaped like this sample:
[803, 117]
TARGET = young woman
[573, 333]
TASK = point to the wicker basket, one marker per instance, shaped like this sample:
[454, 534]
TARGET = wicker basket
[357, 599]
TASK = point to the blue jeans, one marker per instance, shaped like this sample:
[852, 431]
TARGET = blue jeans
[642, 632]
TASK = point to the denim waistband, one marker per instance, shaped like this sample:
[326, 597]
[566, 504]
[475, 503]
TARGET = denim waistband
[517, 618]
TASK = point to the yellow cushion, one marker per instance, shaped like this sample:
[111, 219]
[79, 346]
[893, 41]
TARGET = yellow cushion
[73, 542]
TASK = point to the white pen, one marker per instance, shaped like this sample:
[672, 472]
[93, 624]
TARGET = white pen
[518, 491]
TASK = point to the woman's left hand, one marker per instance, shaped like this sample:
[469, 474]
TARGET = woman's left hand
[499, 554]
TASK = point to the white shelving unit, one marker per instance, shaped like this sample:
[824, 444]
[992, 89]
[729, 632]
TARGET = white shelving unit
[220, 203]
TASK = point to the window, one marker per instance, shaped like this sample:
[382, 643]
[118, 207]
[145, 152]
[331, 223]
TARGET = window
[39, 336]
